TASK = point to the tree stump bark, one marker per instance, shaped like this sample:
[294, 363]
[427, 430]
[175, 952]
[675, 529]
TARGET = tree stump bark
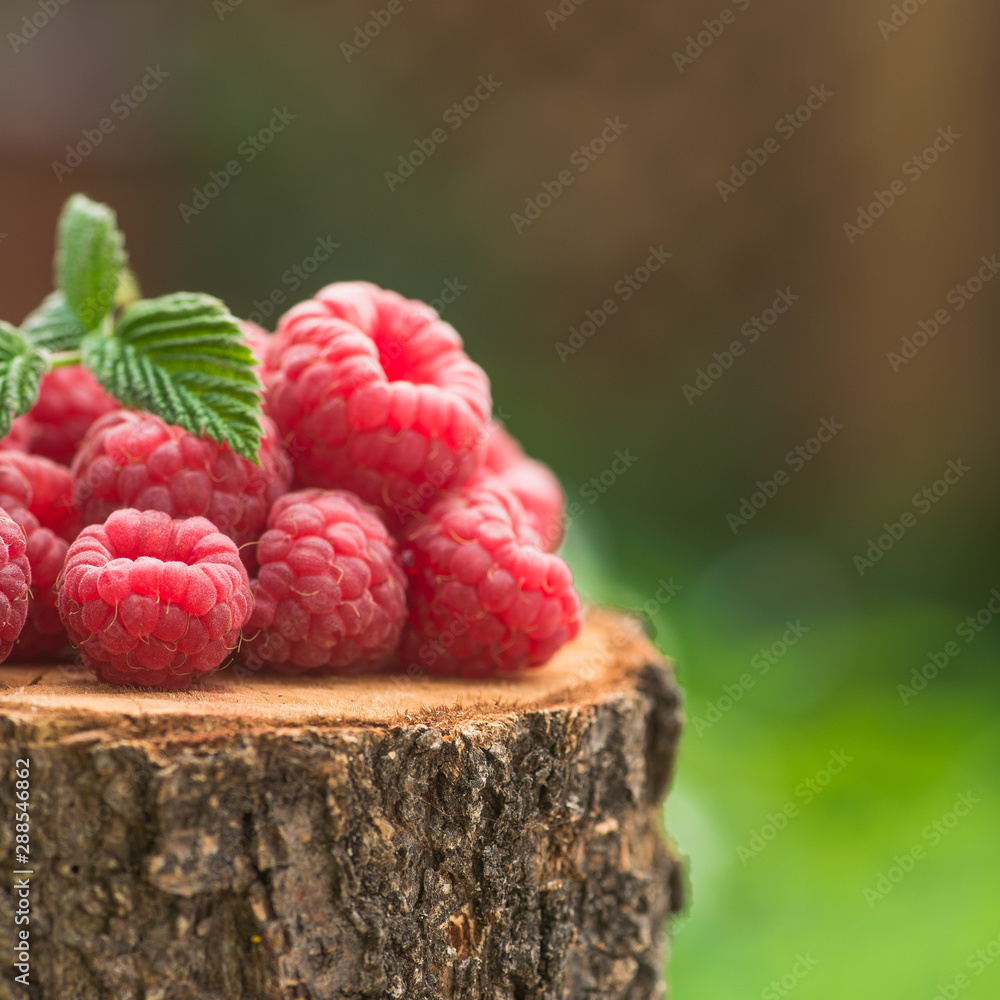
[268, 837]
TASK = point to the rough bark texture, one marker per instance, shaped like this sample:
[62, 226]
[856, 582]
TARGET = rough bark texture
[348, 839]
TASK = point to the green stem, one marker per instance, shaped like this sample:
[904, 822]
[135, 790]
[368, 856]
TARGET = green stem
[62, 359]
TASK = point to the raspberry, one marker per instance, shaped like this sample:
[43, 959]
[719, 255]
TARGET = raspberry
[331, 595]
[533, 483]
[131, 459]
[15, 578]
[154, 601]
[484, 599]
[37, 494]
[70, 399]
[19, 438]
[373, 393]
[257, 339]
[43, 487]
[43, 633]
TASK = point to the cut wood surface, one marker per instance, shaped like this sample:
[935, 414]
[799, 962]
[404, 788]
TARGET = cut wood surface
[393, 836]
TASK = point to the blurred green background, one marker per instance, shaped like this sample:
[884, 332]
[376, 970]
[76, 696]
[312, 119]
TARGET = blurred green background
[799, 909]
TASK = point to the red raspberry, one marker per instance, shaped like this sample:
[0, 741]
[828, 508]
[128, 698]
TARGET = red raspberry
[373, 393]
[41, 486]
[69, 400]
[19, 438]
[43, 633]
[15, 578]
[131, 459]
[533, 483]
[154, 601]
[257, 339]
[331, 594]
[484, 599]
[37, 494]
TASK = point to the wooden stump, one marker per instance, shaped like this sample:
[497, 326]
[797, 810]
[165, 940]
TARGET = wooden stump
[267, 837]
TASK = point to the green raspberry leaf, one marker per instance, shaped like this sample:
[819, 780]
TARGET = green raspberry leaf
[22, 365]
[53, 325]
[90, 259]
[182, 357]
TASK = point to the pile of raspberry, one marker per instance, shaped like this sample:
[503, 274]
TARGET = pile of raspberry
[389, 524]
